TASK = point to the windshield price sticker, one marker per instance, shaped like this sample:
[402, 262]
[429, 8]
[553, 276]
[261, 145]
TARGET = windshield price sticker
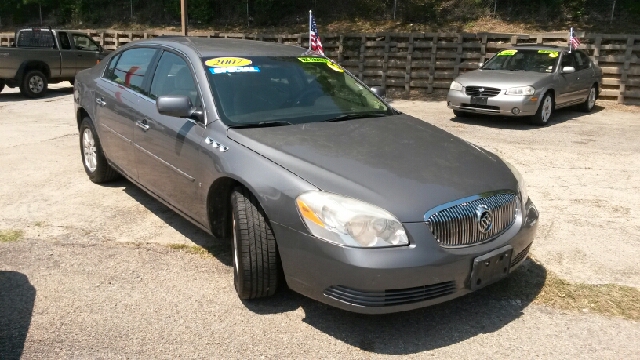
[507, 53]
[233, 69]
[551, 53]
[227, 62]
[314, 59]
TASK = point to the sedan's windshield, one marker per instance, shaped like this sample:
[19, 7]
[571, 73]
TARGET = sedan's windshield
[544, 61]
[287, 90]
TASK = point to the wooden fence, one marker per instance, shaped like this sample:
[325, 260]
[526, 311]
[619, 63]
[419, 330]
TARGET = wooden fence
[430, 61]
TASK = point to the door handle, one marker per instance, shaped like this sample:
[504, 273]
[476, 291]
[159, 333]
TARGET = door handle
[143, 124]
[100, 102]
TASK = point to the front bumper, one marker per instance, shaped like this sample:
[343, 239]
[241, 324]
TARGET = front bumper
[496, 105]
[378, 281]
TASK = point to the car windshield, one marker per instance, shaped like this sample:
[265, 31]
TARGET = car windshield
[543, 61]
[287, 90]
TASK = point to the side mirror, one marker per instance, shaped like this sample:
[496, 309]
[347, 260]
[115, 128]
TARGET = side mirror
[379, 91]
[568, 70]
[175, 105]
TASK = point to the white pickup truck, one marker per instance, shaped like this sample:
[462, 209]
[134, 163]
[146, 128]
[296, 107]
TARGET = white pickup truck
[42, 56]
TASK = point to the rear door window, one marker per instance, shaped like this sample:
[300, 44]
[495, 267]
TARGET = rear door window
[131, 68]
[65, 44]
[583, 60]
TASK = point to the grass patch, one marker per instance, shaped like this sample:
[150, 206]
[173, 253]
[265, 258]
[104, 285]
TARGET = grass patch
[606, 299]
[10, 235]
[532, 283]
[191, 249]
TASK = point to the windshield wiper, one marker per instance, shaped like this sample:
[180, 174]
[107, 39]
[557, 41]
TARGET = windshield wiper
[346, 117]
[260, 124]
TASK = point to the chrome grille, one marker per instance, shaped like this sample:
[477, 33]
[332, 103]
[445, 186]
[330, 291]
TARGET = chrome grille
[460, 224]
[482, 91]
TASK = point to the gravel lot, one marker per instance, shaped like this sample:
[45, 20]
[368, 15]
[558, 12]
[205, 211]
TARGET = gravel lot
[92, 278]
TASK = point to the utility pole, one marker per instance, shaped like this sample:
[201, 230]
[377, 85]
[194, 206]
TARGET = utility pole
[183, 10]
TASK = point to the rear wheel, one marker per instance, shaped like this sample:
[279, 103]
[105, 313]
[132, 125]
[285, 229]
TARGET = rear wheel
[256, 264]
[588, 104]
[544, 112]
[34, 84]
[93, 159]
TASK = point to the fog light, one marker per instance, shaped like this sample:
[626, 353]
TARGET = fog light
[515, 111]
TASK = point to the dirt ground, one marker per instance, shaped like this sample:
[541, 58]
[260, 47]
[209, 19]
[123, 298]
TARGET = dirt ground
[92, 276]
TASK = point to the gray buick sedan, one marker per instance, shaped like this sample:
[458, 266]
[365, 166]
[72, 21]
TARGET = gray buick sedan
[318, 182]
[530, 81]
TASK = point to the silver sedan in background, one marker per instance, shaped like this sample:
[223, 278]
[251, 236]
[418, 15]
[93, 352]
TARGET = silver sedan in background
[530, 81]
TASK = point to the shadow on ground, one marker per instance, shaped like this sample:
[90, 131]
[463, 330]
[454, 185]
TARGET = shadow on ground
[51, 94]
[17, 297]
[520, 123]
[485, 311]
[219, 248]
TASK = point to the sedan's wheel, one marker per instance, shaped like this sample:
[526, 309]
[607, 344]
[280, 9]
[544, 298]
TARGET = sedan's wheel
[256, 264]
[93, 159]
[588, 104]
[34, 84]
[544, 111]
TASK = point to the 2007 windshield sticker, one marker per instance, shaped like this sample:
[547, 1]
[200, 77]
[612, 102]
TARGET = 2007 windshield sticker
[233, 69]
[551, 53]
[507, 53]
[227, 62]
[315, 59]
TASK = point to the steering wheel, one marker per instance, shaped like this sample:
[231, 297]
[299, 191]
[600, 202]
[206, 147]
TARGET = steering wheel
[304, 97]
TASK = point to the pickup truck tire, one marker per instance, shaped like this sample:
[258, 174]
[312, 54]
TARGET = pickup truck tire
[1, 85]
[34, 84]
[93, 159]
[256, 264]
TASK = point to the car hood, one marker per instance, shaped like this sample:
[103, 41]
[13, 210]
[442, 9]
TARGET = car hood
[399, 163]
[501, 79]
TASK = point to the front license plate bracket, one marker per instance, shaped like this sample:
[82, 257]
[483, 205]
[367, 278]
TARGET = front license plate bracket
[491, 267]
[479, 100]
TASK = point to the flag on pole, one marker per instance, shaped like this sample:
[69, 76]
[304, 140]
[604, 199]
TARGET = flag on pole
[314, 38]
[574, 42]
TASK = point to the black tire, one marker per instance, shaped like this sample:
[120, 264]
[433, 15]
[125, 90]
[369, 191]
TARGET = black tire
[34, 84]
[463, 114]
[588, 104]
[1, 85]
[101, 171]
[256, 264]
[544, 113]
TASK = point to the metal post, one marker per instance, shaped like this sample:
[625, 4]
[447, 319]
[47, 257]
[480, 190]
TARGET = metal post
[131, 10]
[183, 10]
[395, 4]
[248, 20]
[309, 30]
[613, 10]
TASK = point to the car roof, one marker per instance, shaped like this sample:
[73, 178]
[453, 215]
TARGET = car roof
[540, 47]
[207, 47]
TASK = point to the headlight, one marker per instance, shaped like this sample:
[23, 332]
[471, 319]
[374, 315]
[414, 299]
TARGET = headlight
[522, 187]
[455, 86]
[345, 221]
[521, 90]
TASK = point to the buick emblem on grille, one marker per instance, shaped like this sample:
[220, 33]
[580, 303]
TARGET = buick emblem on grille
[485, 219]
[481, 90]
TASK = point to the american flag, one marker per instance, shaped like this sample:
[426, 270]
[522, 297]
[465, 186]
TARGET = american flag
[574, 42]
[314, 38]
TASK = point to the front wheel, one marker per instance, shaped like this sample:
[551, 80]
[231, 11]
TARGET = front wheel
[93, 159]
[544, 112]
[458, 113]
[34, 84]
[588, 104]
[256, 264]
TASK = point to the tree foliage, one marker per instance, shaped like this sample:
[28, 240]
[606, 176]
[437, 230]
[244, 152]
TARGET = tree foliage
[288, 12]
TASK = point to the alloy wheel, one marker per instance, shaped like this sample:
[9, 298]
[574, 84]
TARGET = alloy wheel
[546, 109]
[36, 84]
[89, 149]
[592, 98]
